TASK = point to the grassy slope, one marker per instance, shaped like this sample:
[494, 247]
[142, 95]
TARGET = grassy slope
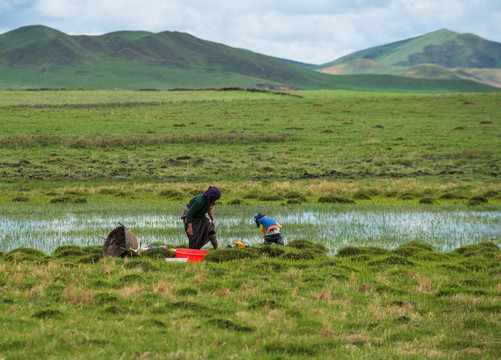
[365, 66]
[490, 77]
[487, 76]
[358, 66]
[416, 45]
[443, 47]
[390, 54]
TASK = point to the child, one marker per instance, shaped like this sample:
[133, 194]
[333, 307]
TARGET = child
[272, 231]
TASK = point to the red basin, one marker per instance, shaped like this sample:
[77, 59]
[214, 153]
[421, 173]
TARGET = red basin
[193, 255]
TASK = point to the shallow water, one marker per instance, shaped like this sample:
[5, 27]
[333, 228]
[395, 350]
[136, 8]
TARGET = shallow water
[335, 227]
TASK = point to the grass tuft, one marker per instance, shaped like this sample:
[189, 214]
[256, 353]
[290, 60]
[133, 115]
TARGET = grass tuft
[331, 199]
[477, 200]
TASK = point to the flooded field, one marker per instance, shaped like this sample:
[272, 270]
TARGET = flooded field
[48, 227]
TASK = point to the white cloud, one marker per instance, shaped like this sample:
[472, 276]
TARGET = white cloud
[63, 9]
[315, 31]
[7, 5]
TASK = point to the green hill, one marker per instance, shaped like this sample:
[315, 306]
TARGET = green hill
[441, 54]
[41, 57]
[443, 47]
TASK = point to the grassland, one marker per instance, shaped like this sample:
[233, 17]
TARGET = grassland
[291, 302]
[131, 144]
[124, 152]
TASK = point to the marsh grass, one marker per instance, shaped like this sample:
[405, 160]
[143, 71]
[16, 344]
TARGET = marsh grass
[267, 306]
[447, 226]
[363, 191]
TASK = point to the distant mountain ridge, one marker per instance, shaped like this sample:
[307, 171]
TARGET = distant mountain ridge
[439, 54]
[38, 56]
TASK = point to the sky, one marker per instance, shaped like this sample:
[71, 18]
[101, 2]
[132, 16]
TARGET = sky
[309, 31]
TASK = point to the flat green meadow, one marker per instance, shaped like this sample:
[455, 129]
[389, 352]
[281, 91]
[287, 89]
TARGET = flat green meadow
[360, 181]
[137, 137]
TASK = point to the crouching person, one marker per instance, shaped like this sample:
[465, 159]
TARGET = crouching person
[271, 230]
[199, 229]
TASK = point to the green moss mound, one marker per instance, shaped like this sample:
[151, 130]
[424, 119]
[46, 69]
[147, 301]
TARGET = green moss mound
[407, 196]
[452, 196]
[476, 257]
[391, 260]
[306, 244]
[74, 254]
[477, 200]
[491, 194]
[294, 197]
[416, 250]
[296, 250]
[273, 251]
[145, 264]
[362, 195]
[307, 254]
[68, 251]
[230, 254]
[171, 194]
[412, 248]
[235, 202]
[26, 254]
[355, 251]
[270, 197]
[159, 254]
[484, 249]
[426, 201]
[331, 199]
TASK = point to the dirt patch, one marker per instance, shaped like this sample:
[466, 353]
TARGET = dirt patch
[230, 325]
[173, 162]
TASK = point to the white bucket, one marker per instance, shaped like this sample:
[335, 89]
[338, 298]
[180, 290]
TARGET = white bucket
[176, 259]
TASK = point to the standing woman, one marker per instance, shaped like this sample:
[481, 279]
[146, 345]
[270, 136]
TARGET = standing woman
[196, 224]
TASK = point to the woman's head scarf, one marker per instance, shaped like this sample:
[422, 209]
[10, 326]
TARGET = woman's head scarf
[212, 194]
